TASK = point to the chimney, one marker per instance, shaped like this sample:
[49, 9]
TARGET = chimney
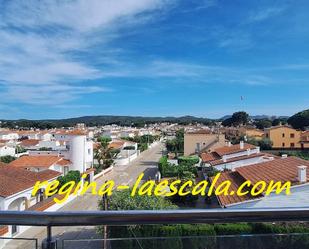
[302, 173]
[248, 152]
[229, 144]
[241, 145]
[224, 158]
[258, 150]
[284, 156]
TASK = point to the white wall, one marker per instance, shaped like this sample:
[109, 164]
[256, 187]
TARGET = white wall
[9, 136]
[240, 163]
[299, 198]
[243, 153]
[7, 151]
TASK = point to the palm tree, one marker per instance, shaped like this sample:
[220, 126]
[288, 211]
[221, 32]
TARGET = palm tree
[105, 155]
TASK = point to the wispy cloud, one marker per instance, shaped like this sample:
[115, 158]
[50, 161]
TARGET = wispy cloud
[265, 13]
[42, 43]
[181, 71]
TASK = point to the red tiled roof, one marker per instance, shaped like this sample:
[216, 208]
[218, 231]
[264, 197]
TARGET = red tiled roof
[236, 181]
[226, 150]
[35, 161]
[207, 157]
[64, 162]
[70, 132]
[29, 142]
[204, 131]
[116, 144]
[14, 180]
[283, 169]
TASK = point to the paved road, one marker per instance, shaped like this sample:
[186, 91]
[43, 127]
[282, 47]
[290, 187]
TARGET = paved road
[122, 175]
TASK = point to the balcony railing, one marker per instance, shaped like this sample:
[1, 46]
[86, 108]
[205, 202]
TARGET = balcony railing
[133, 217]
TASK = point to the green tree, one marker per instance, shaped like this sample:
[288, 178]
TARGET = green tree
[263, 123]
[264, 143]
[237, 119]
[72, 175]
[300, 120]
[176, 145]
[276, 122]
[105, 155]
[7, 159]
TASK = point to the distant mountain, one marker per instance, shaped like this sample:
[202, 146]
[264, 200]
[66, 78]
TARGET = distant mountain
[102, 120]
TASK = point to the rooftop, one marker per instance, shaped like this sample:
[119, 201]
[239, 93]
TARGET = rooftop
[282, 169]
[38, 161]
[14, 180]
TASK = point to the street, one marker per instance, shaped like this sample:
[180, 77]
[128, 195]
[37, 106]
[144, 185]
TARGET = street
[122, 175]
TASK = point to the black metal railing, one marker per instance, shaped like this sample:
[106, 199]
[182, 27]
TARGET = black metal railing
[132, 217]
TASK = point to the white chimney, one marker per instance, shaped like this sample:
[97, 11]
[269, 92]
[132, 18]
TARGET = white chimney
[224, 158]
[248, 152]
[241, 145]
[302, 173]
[284, 156]
[258, 150]
[229, 144]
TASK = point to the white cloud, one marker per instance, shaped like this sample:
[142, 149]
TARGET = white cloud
[41, 42]
[265, 13]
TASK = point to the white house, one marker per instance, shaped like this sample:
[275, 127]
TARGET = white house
[234, 156]
[77, 153]
[6, 150]
[9, 135]
[15, 193]
[128, 151]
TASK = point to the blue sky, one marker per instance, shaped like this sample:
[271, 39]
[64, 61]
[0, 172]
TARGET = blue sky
[153, 57]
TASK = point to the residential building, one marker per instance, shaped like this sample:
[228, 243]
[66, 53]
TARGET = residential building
[254, 133]
[231, 156]
[304, 140]
[78, 151]
[16, 186]
[285, 137]
[202, 140]
[6, 150]
[38, 163]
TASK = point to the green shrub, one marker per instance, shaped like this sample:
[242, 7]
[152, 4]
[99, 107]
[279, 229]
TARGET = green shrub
[228, 229]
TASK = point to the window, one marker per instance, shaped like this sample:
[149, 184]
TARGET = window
[89, 151]
[292, 135]
[283, 135]
[283, 144]
[292, 145]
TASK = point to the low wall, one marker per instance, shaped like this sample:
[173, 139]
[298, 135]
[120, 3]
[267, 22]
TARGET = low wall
[103, 172]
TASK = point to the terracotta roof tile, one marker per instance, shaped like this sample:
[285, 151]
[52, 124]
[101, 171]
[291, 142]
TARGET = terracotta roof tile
[283, 169]
[35, 161]
[116, 144]
[64, 162]
[29, 142]
[207, 157]
[236, 181]
[226, 150]
[14, 180]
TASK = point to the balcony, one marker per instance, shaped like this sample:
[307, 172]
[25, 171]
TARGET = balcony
[169, 239]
